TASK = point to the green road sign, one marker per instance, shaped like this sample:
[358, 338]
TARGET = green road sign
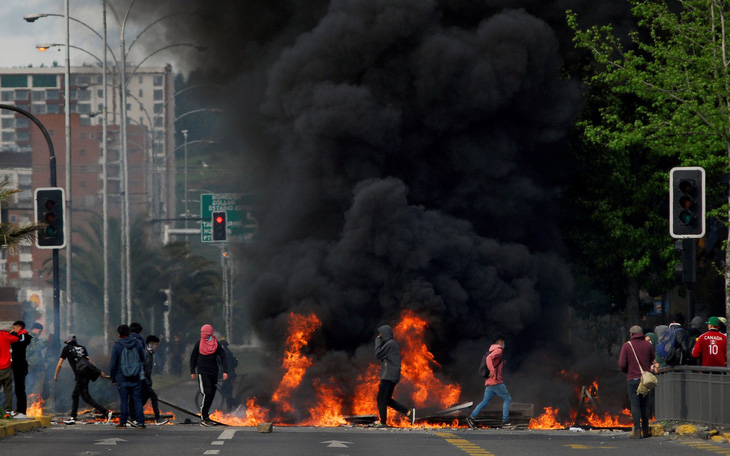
[239, 208]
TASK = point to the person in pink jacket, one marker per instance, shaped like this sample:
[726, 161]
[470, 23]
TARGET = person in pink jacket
[494, 385]
[6, 373]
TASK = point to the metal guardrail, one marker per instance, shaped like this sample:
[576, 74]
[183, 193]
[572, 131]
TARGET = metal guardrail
[694, 394]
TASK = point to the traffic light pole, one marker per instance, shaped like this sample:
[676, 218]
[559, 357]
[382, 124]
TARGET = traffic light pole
[52, 167]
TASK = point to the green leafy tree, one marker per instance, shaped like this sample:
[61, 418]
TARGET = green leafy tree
[667, 99]
[12, 235]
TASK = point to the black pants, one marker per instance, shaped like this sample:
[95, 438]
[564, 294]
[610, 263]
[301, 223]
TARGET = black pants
[385, 400]
[639, 406]
[20, 370]
[207, 384]
[149, 394]
[82, 390]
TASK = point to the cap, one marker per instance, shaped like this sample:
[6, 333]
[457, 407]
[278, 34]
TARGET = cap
[636, 330]
[713, 321]
[37, 325]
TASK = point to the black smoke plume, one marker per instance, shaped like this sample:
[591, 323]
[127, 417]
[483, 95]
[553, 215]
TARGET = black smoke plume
[410, 155]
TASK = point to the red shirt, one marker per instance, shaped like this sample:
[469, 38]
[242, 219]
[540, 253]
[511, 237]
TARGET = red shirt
[494, 365]
[711, 347]
[644, 352]
[5, 340]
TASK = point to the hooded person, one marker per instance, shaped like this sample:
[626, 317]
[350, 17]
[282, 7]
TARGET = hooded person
[206, 355]
[19, 366]
[126, 371]
[73, 352]
[494, 385]
[387, 351]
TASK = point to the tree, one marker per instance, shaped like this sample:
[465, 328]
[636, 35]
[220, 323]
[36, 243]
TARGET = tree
[12, 235]
[667, 96]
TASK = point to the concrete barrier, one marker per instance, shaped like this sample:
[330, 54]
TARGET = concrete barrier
[10, 427]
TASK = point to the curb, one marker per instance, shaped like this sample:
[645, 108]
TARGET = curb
[11, 427]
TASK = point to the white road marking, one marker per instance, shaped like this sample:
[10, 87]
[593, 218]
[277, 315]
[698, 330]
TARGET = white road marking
[212, 452]
[337, 443]
[112, 441]
[227, 434]
[217, 442]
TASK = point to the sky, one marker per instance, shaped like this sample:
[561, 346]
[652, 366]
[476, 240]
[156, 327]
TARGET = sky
[20, 38]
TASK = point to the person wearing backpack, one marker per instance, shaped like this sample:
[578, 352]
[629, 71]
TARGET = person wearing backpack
[674, 345]
[493, 385]
[127, 373]
[205, 357]
[73, 352]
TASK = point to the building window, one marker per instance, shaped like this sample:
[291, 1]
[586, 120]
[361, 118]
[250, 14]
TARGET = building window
[22, 122]
[158, 95]
[38, 95]
[44, 80]
[99, 93]
[82, 152]
[39, 109]
[8, 122]
[158, 122]
[101, 107]
[7, 95]
[141, 93]
[21, 94]
[84, 108]
[8, 136]
[84, 95]
[74, 94]
[158, 108]
[14, 80]
[82, 184]
[13, 267]
[52, 94]
[80, 80]
[85, 121]
[53, 109]
[157, 81]
[23, 136]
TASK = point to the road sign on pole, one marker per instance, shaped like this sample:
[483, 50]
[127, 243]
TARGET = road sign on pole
[240, 221]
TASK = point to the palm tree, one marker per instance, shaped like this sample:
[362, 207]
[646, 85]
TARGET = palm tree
[11, 236]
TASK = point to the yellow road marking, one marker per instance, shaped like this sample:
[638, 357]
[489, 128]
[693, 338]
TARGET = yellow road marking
[468, 447]
[576, 446]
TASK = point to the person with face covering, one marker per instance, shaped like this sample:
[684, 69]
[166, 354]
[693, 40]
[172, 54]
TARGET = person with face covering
[204, 358]
[387, 351]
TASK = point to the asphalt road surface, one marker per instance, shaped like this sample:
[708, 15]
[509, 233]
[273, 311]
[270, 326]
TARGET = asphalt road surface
[194, 440]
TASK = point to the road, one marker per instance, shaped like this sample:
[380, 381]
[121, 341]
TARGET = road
[194, 440]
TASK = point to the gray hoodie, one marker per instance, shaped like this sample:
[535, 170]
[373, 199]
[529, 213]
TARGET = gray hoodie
[387, 352]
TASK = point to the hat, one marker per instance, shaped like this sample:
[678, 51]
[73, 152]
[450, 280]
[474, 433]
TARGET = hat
[70, 337]
[636, 330]
[713, 321]
[37, 325]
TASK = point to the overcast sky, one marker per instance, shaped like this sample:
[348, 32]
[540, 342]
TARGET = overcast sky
[19, 38]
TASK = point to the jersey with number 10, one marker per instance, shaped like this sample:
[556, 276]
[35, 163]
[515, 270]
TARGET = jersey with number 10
[711, 347]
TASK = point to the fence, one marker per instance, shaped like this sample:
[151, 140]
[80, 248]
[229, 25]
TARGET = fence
[694, 394]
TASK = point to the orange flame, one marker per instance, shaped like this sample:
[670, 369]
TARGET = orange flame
[548, 420]
[328, 411]
[294, 363]
[35, 406]
[254, 415]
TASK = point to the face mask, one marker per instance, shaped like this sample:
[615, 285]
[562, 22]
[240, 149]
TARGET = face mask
[152, 348]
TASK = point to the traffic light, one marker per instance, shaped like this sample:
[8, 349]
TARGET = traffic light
[49, 208]
[687, 202]
[219, 226]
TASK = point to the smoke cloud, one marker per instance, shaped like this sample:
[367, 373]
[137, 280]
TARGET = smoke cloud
[410, 155]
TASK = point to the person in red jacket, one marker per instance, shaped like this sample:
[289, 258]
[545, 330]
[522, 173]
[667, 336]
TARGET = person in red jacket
[494, 385]
[6, 373]
[637, 354]
[711, 347]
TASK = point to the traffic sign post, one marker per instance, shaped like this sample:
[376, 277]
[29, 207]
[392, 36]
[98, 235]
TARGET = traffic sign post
[240, 221]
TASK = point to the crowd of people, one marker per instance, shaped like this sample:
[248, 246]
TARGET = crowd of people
[668, 346]
[130, 370]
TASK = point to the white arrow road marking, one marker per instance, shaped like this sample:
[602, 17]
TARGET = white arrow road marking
[112, 441]
[337, 443]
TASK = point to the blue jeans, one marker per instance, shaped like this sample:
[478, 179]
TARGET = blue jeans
[489, 392]
[135, 391]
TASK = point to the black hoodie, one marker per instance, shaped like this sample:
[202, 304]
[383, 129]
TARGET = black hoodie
[387, 351]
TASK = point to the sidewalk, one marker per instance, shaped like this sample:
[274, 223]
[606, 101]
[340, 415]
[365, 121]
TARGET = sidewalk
[10, 427]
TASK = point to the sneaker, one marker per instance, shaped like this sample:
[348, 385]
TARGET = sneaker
[69, 421]
[412, 415]
[378, 424]
[139, 425]
[470, 422]
[121, 426]
[160, 422]
[20, 416]
[506, 423]
[207, 423]
[109, 416]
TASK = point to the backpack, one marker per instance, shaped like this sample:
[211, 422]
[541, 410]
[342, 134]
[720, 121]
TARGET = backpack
[129, 363]
[483, 371]
[668, 348]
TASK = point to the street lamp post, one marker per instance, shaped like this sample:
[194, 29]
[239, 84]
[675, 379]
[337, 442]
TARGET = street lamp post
[67, 115]
[185, 189]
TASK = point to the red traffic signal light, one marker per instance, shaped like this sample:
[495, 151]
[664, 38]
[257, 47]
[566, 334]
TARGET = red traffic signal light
[219, 226]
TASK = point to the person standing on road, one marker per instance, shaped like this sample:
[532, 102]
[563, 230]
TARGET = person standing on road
[711, 347]
[6, 372]
[127, 373]
[36, 357]
[494, 385]
[73, 352]
[206, 355]
[147, 392]
[20, 368]
[636, 355]
[387, 351]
